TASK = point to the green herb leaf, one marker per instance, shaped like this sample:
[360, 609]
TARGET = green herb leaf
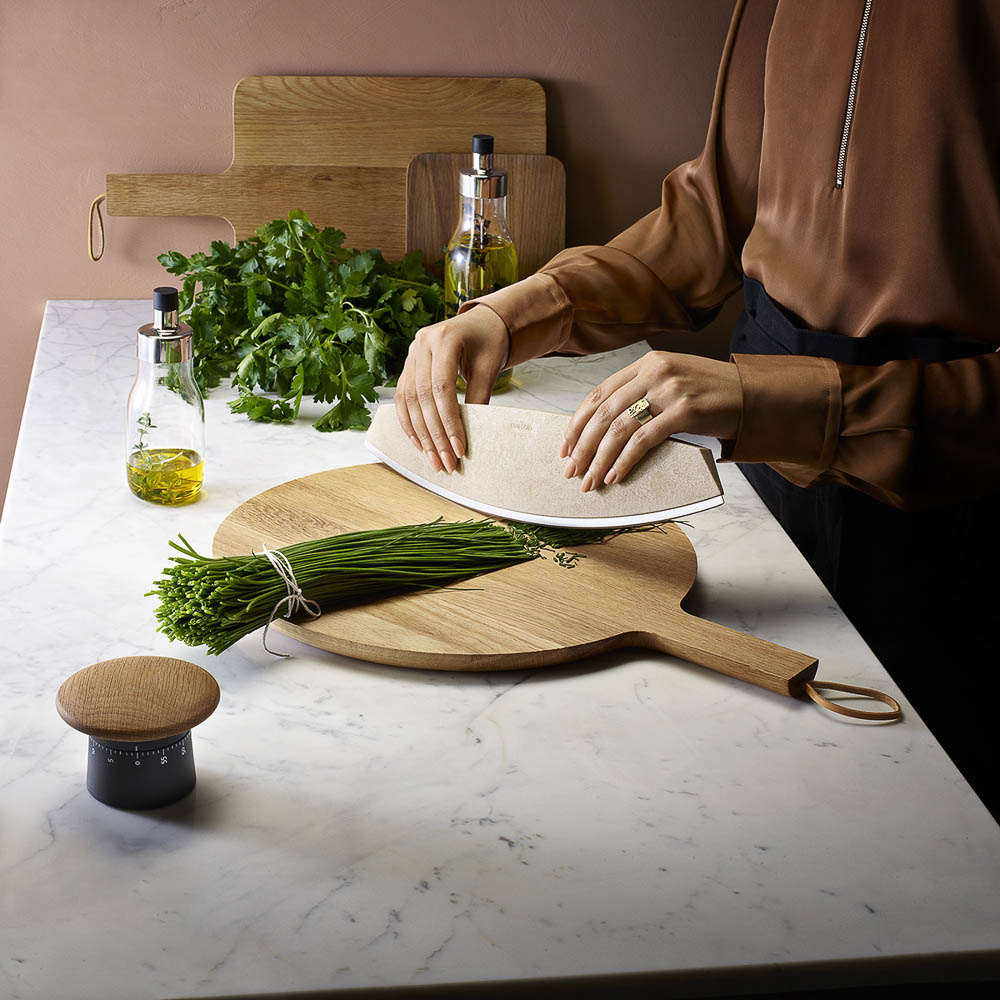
[272, 411]
[291, 311]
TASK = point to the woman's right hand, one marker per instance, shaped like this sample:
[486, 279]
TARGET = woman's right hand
[474, 344]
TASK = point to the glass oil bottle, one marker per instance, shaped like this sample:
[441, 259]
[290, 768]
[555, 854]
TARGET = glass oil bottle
[165, 421]
[481, 256]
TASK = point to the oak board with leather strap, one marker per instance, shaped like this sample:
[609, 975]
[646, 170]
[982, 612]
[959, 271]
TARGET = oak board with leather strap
[626, 592]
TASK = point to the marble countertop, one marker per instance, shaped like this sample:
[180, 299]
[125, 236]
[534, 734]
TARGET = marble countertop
[358, 825]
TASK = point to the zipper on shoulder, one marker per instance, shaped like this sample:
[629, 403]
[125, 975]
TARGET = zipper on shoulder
[853, 93]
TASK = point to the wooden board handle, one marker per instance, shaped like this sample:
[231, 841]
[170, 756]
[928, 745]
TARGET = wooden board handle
[737, 654]
[167, 194]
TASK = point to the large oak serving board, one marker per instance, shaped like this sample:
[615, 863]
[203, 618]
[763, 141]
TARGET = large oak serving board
[626, 592]
[338, 148]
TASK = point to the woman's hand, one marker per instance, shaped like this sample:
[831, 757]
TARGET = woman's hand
[686, 393]
[474, 344]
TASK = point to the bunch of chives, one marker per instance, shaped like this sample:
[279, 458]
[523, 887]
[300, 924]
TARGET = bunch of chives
[215, 602]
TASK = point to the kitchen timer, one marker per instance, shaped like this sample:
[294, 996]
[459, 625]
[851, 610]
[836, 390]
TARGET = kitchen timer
[138, 712]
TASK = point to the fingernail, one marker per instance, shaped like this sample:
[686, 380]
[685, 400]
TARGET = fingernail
[448, 460]
[416, 442]
[432, 457]
[458, 446]
[588, 483]
[610, 477]
[564, 449]
[570, 470]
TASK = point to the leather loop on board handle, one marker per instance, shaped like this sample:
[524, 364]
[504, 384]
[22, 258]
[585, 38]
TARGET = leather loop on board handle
[95, 208]
[894, 714]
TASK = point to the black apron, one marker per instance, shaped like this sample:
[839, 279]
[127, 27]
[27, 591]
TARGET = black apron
[911, 582]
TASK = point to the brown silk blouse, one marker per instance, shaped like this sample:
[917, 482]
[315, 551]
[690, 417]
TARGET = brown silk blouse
[908, 242]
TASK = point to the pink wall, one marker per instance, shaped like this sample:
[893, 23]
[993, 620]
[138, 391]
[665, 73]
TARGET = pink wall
[90, 87]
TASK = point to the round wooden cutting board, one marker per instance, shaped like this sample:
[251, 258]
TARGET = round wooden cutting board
[626, 592]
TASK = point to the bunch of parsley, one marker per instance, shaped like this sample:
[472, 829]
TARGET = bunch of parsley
[291, 312]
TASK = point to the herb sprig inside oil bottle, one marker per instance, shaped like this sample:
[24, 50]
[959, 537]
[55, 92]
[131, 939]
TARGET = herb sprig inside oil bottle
[165, 421]
[480, 257]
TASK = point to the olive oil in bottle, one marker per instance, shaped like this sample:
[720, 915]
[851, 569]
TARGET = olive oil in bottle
[165, 422]
[485, 263]
[168, 476]
[481, 257]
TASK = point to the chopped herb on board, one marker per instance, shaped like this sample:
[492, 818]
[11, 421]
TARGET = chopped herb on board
[291, 312]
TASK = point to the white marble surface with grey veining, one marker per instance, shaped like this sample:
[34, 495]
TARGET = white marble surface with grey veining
[360, 825]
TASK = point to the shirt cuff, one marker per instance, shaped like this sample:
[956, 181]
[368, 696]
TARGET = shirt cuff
[791, 411]
[536, 312]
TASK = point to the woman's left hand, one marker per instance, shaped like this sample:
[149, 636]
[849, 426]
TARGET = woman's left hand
[686, 393]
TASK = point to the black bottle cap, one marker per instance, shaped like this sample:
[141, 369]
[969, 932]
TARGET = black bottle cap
[482, 144]
[165, 299]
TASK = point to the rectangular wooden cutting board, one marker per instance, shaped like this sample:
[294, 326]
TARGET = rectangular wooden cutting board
[338, 148]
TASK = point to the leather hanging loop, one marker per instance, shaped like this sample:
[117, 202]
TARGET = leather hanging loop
[895, 713]
[95, 208]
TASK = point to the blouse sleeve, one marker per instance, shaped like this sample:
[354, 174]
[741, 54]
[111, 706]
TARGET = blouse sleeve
[911, 434]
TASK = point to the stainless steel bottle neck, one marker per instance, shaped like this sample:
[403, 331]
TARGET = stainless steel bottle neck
[169, 346]
[165, 319]
[479, 184]
[482, 163]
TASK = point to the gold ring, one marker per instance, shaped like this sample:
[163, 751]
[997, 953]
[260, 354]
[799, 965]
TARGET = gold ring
[640, 410]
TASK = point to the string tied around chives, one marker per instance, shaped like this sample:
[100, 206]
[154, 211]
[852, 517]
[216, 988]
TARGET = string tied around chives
[295, 600]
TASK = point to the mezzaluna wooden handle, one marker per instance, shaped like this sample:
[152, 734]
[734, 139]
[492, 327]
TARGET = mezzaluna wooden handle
[736, 654]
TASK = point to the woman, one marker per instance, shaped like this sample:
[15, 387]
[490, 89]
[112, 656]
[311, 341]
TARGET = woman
[860, 214]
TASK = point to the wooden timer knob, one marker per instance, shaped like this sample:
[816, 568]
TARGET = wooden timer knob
[138, 712]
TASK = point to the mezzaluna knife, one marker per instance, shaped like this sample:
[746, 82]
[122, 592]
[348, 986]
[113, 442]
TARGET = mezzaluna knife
[512, 469]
